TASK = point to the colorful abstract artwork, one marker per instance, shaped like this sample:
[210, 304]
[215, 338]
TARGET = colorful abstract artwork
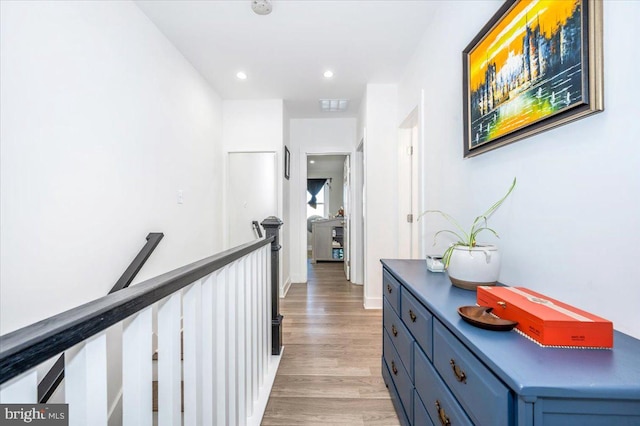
[531, 64]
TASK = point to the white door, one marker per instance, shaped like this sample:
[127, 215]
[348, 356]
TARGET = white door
[251, 193]
[346, 202]
[407, 186]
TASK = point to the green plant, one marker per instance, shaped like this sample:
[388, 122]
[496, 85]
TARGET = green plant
[467, 239]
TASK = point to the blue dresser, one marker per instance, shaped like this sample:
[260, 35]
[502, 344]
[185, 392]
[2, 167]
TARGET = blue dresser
[442, 371]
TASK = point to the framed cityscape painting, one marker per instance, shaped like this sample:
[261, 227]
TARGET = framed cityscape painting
[537, 64]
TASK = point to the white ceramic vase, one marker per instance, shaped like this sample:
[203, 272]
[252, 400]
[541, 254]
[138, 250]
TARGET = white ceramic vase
[470, 267]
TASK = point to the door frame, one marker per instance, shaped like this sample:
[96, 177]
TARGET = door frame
[302, 209]
[412, 130]
[357, 244]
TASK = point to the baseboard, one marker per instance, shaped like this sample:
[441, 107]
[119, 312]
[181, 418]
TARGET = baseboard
[260, 405]
[285, 289]
[373, 302]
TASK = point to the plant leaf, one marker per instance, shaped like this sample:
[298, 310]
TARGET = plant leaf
[484, 229]
[446, 256]
[446, 216]
[460, 239]
[498, 203]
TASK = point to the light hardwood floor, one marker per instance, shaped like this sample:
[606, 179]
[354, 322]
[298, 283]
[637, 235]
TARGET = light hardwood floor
[330, 368]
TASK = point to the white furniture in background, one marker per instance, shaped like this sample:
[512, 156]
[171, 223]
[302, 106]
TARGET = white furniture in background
[328, 240]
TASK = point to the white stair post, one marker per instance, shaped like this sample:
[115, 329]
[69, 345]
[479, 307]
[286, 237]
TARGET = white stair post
[22, 389]
[208, 350]
[85, 378]
[137, 369]
[169, 360]
[192, 333]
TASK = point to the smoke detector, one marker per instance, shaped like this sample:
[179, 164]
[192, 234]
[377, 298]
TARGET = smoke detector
[261, 7]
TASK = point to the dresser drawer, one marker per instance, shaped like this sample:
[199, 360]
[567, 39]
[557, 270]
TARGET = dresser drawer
[400, 337]
[419, 321]
[399, 375]
[437, 399]
[420, 415]
[391, 290]
[393, 392]
[486, 399]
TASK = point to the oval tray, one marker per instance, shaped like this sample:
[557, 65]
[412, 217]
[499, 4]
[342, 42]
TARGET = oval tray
[480, 316]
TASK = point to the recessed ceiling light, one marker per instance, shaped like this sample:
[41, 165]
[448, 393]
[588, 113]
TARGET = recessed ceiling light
[333, 105]
[312, 161]
[241, 75]
[328, 74]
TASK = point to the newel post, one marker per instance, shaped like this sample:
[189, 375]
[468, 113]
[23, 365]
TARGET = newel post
[272, 227]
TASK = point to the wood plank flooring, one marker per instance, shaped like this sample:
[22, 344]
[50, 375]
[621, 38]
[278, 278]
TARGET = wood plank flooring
[330, 368]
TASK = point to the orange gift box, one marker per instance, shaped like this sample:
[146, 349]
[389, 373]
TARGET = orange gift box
[547, 321]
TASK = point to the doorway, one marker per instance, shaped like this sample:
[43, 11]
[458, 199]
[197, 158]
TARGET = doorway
[408, 194]
[327, 196]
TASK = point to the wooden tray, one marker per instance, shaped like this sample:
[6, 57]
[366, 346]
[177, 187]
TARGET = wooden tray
[480, 316]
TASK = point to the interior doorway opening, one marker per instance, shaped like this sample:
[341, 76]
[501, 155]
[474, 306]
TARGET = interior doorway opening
[326, 205]
[408, 169]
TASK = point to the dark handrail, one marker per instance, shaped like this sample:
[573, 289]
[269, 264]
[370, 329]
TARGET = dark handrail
[153, 239]
[26, 348]
[51, 380]
[54, 376]
[256, 226]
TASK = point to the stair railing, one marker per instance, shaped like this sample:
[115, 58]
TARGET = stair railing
[54, 376]
[224, 308]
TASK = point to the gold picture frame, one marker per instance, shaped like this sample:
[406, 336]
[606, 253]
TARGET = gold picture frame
[535, 65]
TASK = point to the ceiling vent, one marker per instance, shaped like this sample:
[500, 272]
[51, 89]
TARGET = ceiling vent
[333, 105]
[261, 7]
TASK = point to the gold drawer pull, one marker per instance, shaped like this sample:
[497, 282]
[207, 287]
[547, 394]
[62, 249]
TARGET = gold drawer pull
[412, 315]
[394, 330]
[444, 420]
[458, 371]
[389, 289]
[393, 368]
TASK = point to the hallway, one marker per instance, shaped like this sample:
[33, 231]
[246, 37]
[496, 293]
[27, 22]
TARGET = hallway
[330, 369]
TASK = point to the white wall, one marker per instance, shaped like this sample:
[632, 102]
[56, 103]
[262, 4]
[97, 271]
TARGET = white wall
[380, 175]
[256, 126]
[570, 228]
[311, 136]
[103, 121]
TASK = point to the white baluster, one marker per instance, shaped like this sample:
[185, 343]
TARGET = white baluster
[249, 339]
[85, 379]
[255, 333]
[261, 341]
[191, 334]
[231, 332]
[208, 350]
[137, 369]
[221, 362]
[241, 357]
[22, 389]
[169, 360]
[267, 274]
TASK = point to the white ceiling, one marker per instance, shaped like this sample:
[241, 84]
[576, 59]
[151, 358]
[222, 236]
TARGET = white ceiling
[285, 53]
[325, 163]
